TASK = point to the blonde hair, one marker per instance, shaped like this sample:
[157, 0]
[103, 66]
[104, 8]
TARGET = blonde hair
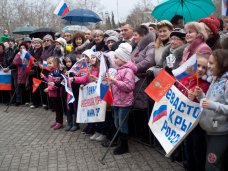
[199, 28]
[163, 23]
[98, 33]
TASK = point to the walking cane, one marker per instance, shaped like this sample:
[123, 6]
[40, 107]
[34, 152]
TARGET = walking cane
[11, 99]
[121, 124]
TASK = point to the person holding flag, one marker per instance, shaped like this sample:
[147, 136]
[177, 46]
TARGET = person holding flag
[54, 90]
[22, 76]
[72, 105]
[91, 75]
[122, 87]
[194, 144]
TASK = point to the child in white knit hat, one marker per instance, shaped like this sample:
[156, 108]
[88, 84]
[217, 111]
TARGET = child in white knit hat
[122, 88]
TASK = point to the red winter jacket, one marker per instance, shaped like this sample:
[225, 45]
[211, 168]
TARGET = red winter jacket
[190, 84]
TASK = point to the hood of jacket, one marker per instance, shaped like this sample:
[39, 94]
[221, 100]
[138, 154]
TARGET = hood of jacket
[146, 40]
[130, 65]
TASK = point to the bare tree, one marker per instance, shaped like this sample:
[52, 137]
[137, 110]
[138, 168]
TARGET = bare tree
[37, 13]
[141, 13]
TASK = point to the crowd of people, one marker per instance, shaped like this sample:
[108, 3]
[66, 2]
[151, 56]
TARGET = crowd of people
[138, 54]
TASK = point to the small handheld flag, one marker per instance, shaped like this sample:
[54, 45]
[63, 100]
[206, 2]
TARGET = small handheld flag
[160, 85]
[36, 84]
[80, 68]
[103, 88]
[27, 56]
[187, 69]
[68, 88]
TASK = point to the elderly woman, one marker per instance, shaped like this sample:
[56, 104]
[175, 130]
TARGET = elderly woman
[172, 54]
[35, 72]
[143, 55]
[164, 30]
[196, 37]
[98, 44]
[49, 47]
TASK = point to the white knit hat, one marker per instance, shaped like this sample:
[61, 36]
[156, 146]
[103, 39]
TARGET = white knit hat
[97, 54]
[123, 52]
[88, 53]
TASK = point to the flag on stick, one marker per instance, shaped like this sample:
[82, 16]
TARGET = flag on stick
[68, 88]
[61, 9]
[160, 85]
[36, 84]
[187, 70]
[30, 59]
[103, 88]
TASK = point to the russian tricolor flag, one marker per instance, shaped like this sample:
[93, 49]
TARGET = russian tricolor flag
[103, 88]
[159, 113]
[224, 7]
[5, 80]
[187, 69]
[30, 59]
[61, 9]
[68, 88]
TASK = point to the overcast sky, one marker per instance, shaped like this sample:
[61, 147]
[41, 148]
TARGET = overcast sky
[124, 7]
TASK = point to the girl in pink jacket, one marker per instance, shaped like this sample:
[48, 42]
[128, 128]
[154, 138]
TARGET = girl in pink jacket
[122, 88]
[54, 90]
[90, 76]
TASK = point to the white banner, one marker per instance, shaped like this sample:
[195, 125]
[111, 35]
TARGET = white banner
[90, 107]
[173, 118]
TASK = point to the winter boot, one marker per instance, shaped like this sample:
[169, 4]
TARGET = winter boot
[68, 128]
[123, 146]
[75, 125]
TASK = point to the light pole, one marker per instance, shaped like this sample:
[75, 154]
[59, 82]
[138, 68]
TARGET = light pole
[117, 6]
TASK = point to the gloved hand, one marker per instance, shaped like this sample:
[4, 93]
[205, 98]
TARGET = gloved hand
[154, 70]
[169, 70]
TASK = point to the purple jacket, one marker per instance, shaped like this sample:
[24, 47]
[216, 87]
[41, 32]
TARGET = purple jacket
[123, 89]
[47, 52]
[21, 75]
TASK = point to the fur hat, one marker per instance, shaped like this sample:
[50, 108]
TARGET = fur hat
[27, 39]
[49, 37]
[88, 53]
[212, 23]
[61, 41]
[123, 52]
[113, 38]
[37, 40]
[179, 33]
[98, 55]
[109, 33]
